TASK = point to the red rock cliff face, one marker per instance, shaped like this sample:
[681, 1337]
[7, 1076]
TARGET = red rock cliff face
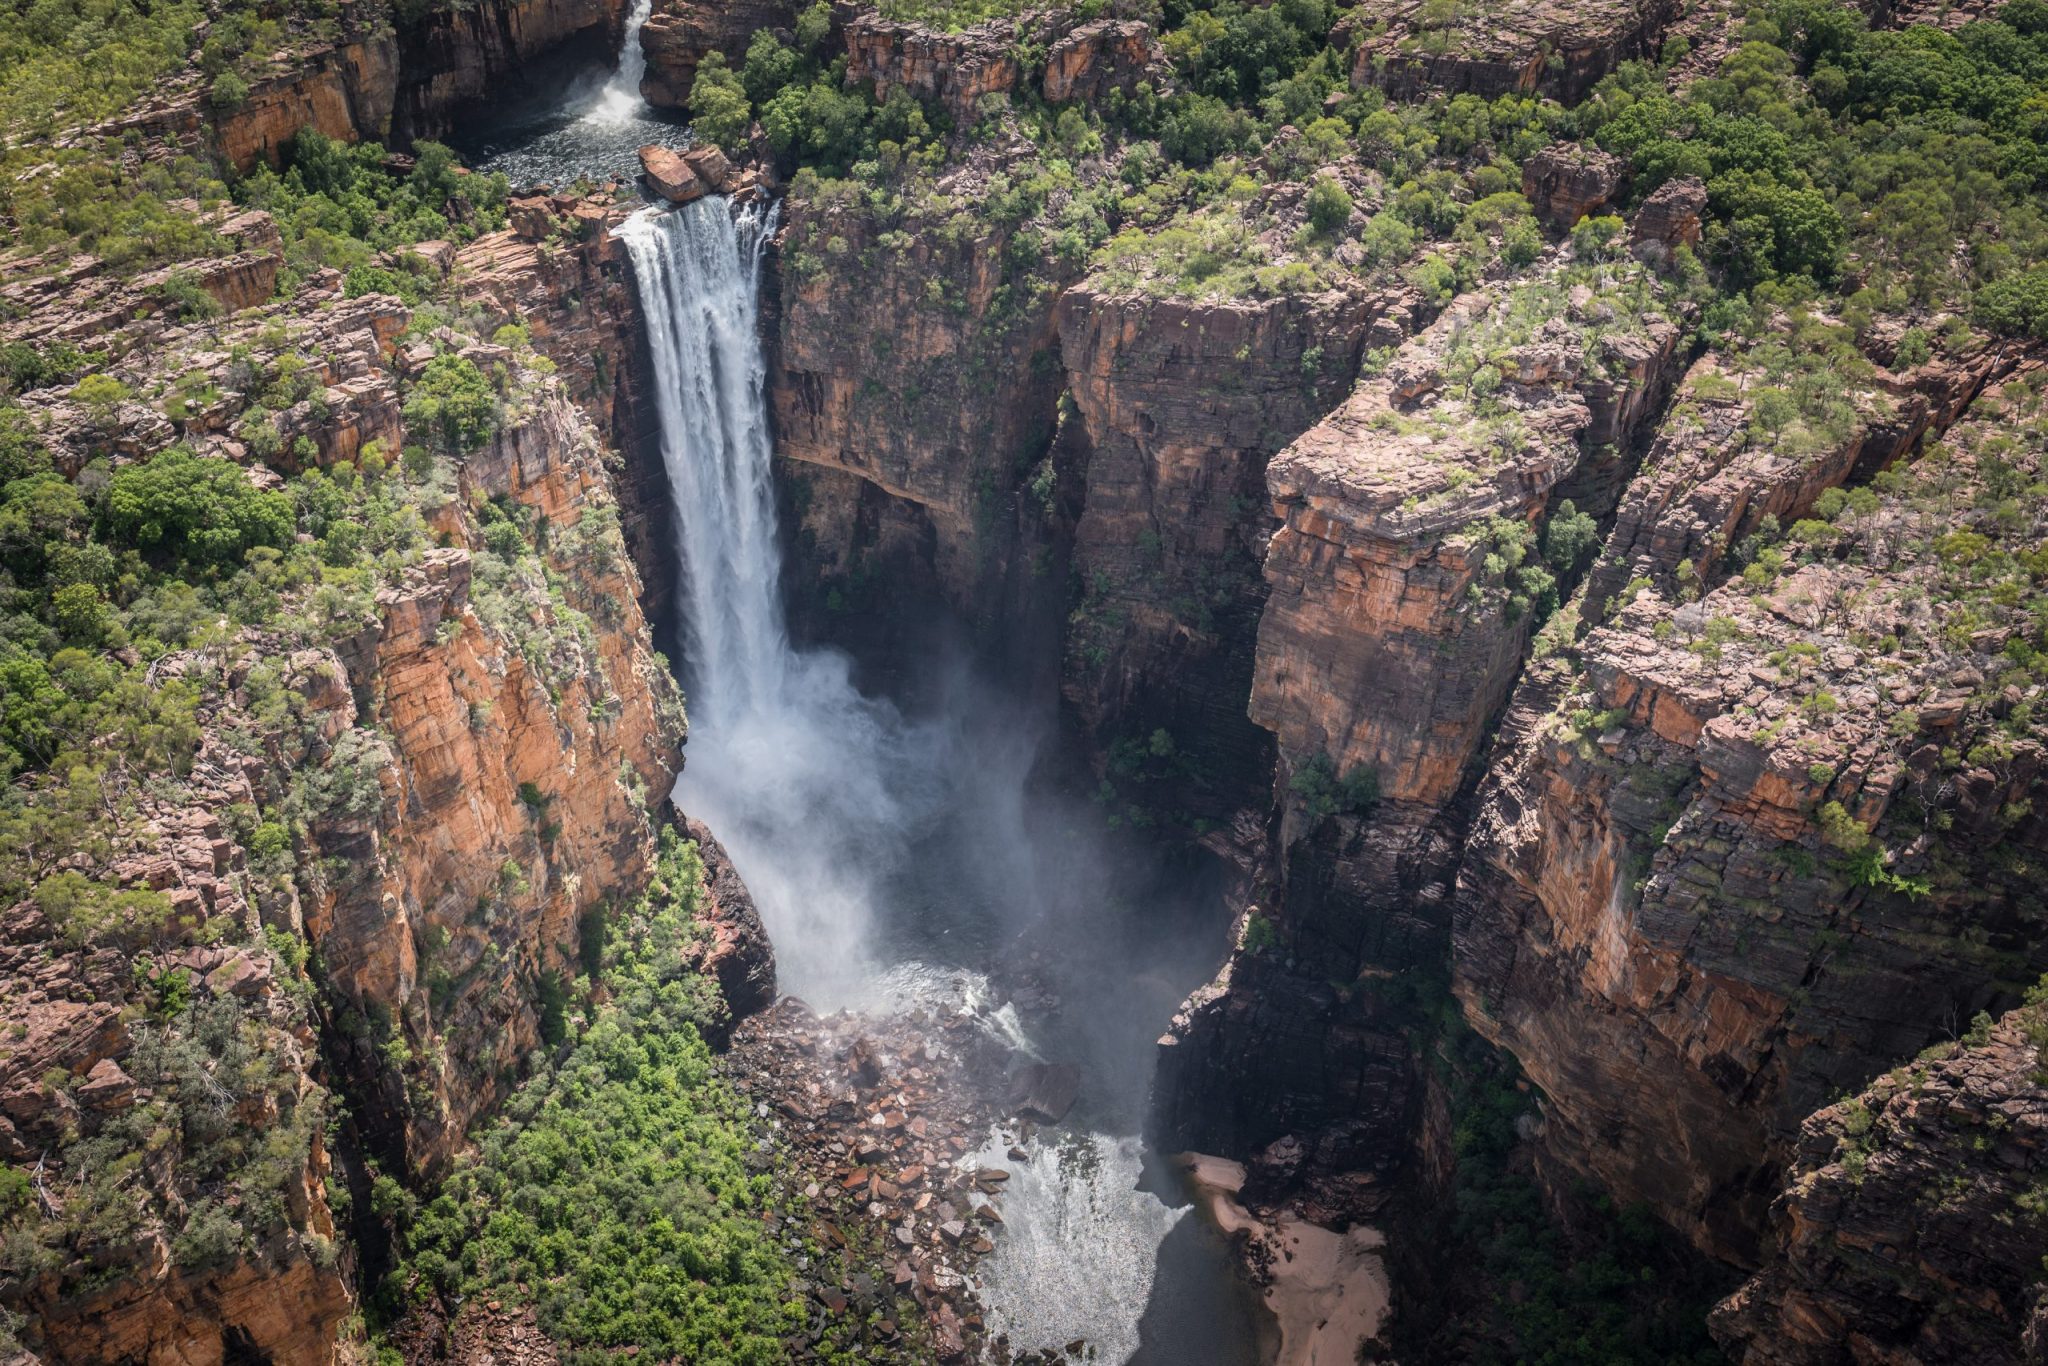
[384, 85]
[518, 733]
[1910, 1224]
[913, 386]
[1395, 627]
[1765, 845]
[1180, 403]
[1531, 47]
[679, 33]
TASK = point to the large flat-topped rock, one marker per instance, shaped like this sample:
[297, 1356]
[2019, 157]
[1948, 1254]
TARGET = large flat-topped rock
[1411, 48]
[1400, 598]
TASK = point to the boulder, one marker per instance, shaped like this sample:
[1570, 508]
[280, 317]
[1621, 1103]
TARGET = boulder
[1044, 1091]
[1669, 217]
[1570, 181]
[669, 176]
[710, 165]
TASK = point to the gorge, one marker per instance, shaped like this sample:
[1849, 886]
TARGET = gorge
[1361, 683]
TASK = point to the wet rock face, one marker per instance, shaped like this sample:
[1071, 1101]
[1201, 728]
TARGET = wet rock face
[913, 384]
[385, 85]
[1909, 1226]
[1745, 862]
[1180, 405]
[461, 58]
[1538, 47]
[737, 955]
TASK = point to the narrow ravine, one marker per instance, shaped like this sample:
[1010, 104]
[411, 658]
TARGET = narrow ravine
[909, 859]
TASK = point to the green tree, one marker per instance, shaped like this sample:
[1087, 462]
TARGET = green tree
[1329, 206]
[452, 404]
[195, 509]
[719, 111]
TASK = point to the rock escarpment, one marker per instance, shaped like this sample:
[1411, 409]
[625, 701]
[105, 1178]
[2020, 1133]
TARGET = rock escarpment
[373, 81]
[1410, 48]
[679, 33]
[1179, 404]
[1911, 1227]
[429, 771]
[913, 386]
[1765, 844]
[1403, 580]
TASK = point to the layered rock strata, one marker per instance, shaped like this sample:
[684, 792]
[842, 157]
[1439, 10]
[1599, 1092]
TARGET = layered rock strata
[1410, 48]
[1764, 845]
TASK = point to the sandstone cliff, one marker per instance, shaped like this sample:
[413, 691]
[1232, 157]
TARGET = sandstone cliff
[1180, 403]
[1404, 580]
[1911, 1225]
[410, 788]
[1765, 844]
[913, 386]
[1411, 49]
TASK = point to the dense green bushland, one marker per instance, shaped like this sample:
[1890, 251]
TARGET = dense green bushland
[615, 1190]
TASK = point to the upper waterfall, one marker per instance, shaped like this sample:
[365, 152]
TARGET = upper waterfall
[620, 98]
[812, 786]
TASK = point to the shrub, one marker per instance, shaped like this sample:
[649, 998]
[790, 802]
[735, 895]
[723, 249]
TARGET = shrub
[453, 404]
[194, 509]
[1329, 206]
[719, 110]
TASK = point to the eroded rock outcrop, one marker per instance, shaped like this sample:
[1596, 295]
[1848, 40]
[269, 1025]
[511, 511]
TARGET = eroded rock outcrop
[913, 385]
[1410, 48]
[1395, 626]
[679, 33]
[1910, 1228]
[1180, 404]
[1763, 846]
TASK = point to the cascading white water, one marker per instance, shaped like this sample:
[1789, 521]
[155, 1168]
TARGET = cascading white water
[809, 784]
[619, 101]
[826, 800]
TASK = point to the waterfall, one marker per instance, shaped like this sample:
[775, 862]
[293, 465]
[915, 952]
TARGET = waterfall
[836, 809]
[620, 98]
[811, 786]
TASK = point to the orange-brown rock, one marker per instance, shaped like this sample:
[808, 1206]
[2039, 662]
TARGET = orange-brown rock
[1101, 56]
[1411, 49]
[679, 33]
[1568, 181]
[1748, 860]
[1393, 632]
[950, 69]
[516, 749]
[1909, 1228]
[1180, 403]
[667, 174]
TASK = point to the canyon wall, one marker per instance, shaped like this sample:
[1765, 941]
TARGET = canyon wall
[913, 386]
[1763, 845]
[410, 792]
[1404, 580]
[1179, 405]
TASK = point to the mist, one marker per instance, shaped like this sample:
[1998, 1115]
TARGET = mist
[904, 858]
